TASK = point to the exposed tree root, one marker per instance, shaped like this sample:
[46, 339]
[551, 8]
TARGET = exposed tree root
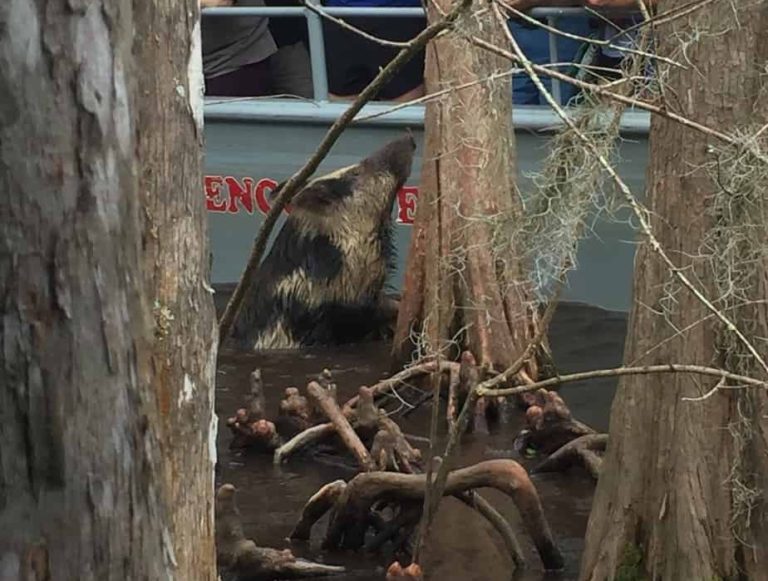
[356, 426]
[249, 427]
[585, 451]
[412, 572]
[299, 416]
[418, 370]
[550, 424]
[259, 435]
[295, 408]
[309, 437]
[461, 383]
[473, 499]
[325, 401]
[320, 503]
[353, 507]
[240, 556]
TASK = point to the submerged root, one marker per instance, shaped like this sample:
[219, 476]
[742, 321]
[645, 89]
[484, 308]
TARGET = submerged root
[585, 451]
[239, 556]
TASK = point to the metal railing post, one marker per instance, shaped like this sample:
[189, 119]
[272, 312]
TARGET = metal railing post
[317, 54]
[554, 59]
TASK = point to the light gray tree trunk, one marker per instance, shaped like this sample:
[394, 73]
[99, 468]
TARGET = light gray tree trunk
[176, 269]
[85, 445]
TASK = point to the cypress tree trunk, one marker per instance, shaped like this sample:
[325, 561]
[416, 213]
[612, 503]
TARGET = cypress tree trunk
[85, 443]
[462, 274]
[682, 491]
[176, 271]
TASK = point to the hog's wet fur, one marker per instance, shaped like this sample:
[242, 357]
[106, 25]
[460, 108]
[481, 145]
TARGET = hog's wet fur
[323, 280]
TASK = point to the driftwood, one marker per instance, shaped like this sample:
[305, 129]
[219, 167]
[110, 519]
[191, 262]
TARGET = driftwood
[418, 370]
[353, 505]
[308, 437]
[240, 556]
[330, 408]
[317, 433]
[585, 451]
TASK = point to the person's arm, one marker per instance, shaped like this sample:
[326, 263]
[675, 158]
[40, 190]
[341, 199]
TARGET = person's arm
[618, 3]
[528, 4]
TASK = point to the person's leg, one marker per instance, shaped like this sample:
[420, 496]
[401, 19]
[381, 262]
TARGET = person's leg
[291, 71]
[248, 81]
[353, 61]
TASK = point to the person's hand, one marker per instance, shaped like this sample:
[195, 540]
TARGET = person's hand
[215, 3]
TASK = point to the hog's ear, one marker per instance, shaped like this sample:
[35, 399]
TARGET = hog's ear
[322, 194]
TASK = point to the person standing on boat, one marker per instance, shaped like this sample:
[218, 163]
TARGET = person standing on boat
[290, 67]
[609, 56]
[352, 61]
[236, 52]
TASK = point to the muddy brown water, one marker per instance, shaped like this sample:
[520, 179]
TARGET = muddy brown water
[463, 547]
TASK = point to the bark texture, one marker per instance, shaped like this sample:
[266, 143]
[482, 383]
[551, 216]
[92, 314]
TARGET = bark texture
[675, 495]
[85, 491]
[457, 274]
[176, 270]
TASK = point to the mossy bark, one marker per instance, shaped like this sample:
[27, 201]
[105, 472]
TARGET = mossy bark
[458, 277]
[676, 472]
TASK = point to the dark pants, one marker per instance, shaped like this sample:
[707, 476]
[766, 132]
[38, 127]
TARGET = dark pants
[248, 81]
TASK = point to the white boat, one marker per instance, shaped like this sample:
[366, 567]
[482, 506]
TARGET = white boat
[253, 144]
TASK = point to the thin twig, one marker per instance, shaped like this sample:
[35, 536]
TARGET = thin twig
[438, 94]
[598, 42]
[670, 338]
[600, 90]
[291, 187]
[344, 24]
[484, 390]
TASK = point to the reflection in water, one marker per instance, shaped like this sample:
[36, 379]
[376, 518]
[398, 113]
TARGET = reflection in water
[463, 547]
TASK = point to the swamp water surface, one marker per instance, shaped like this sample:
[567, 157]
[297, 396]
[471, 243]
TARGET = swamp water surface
[462, 547]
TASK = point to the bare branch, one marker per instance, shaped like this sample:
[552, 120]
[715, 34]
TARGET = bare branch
[484, 390]
[344, 24]
[600, 90]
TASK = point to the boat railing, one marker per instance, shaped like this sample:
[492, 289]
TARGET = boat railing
[321, 110]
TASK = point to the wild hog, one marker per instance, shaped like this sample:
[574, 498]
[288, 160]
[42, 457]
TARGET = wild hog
[322, 282]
